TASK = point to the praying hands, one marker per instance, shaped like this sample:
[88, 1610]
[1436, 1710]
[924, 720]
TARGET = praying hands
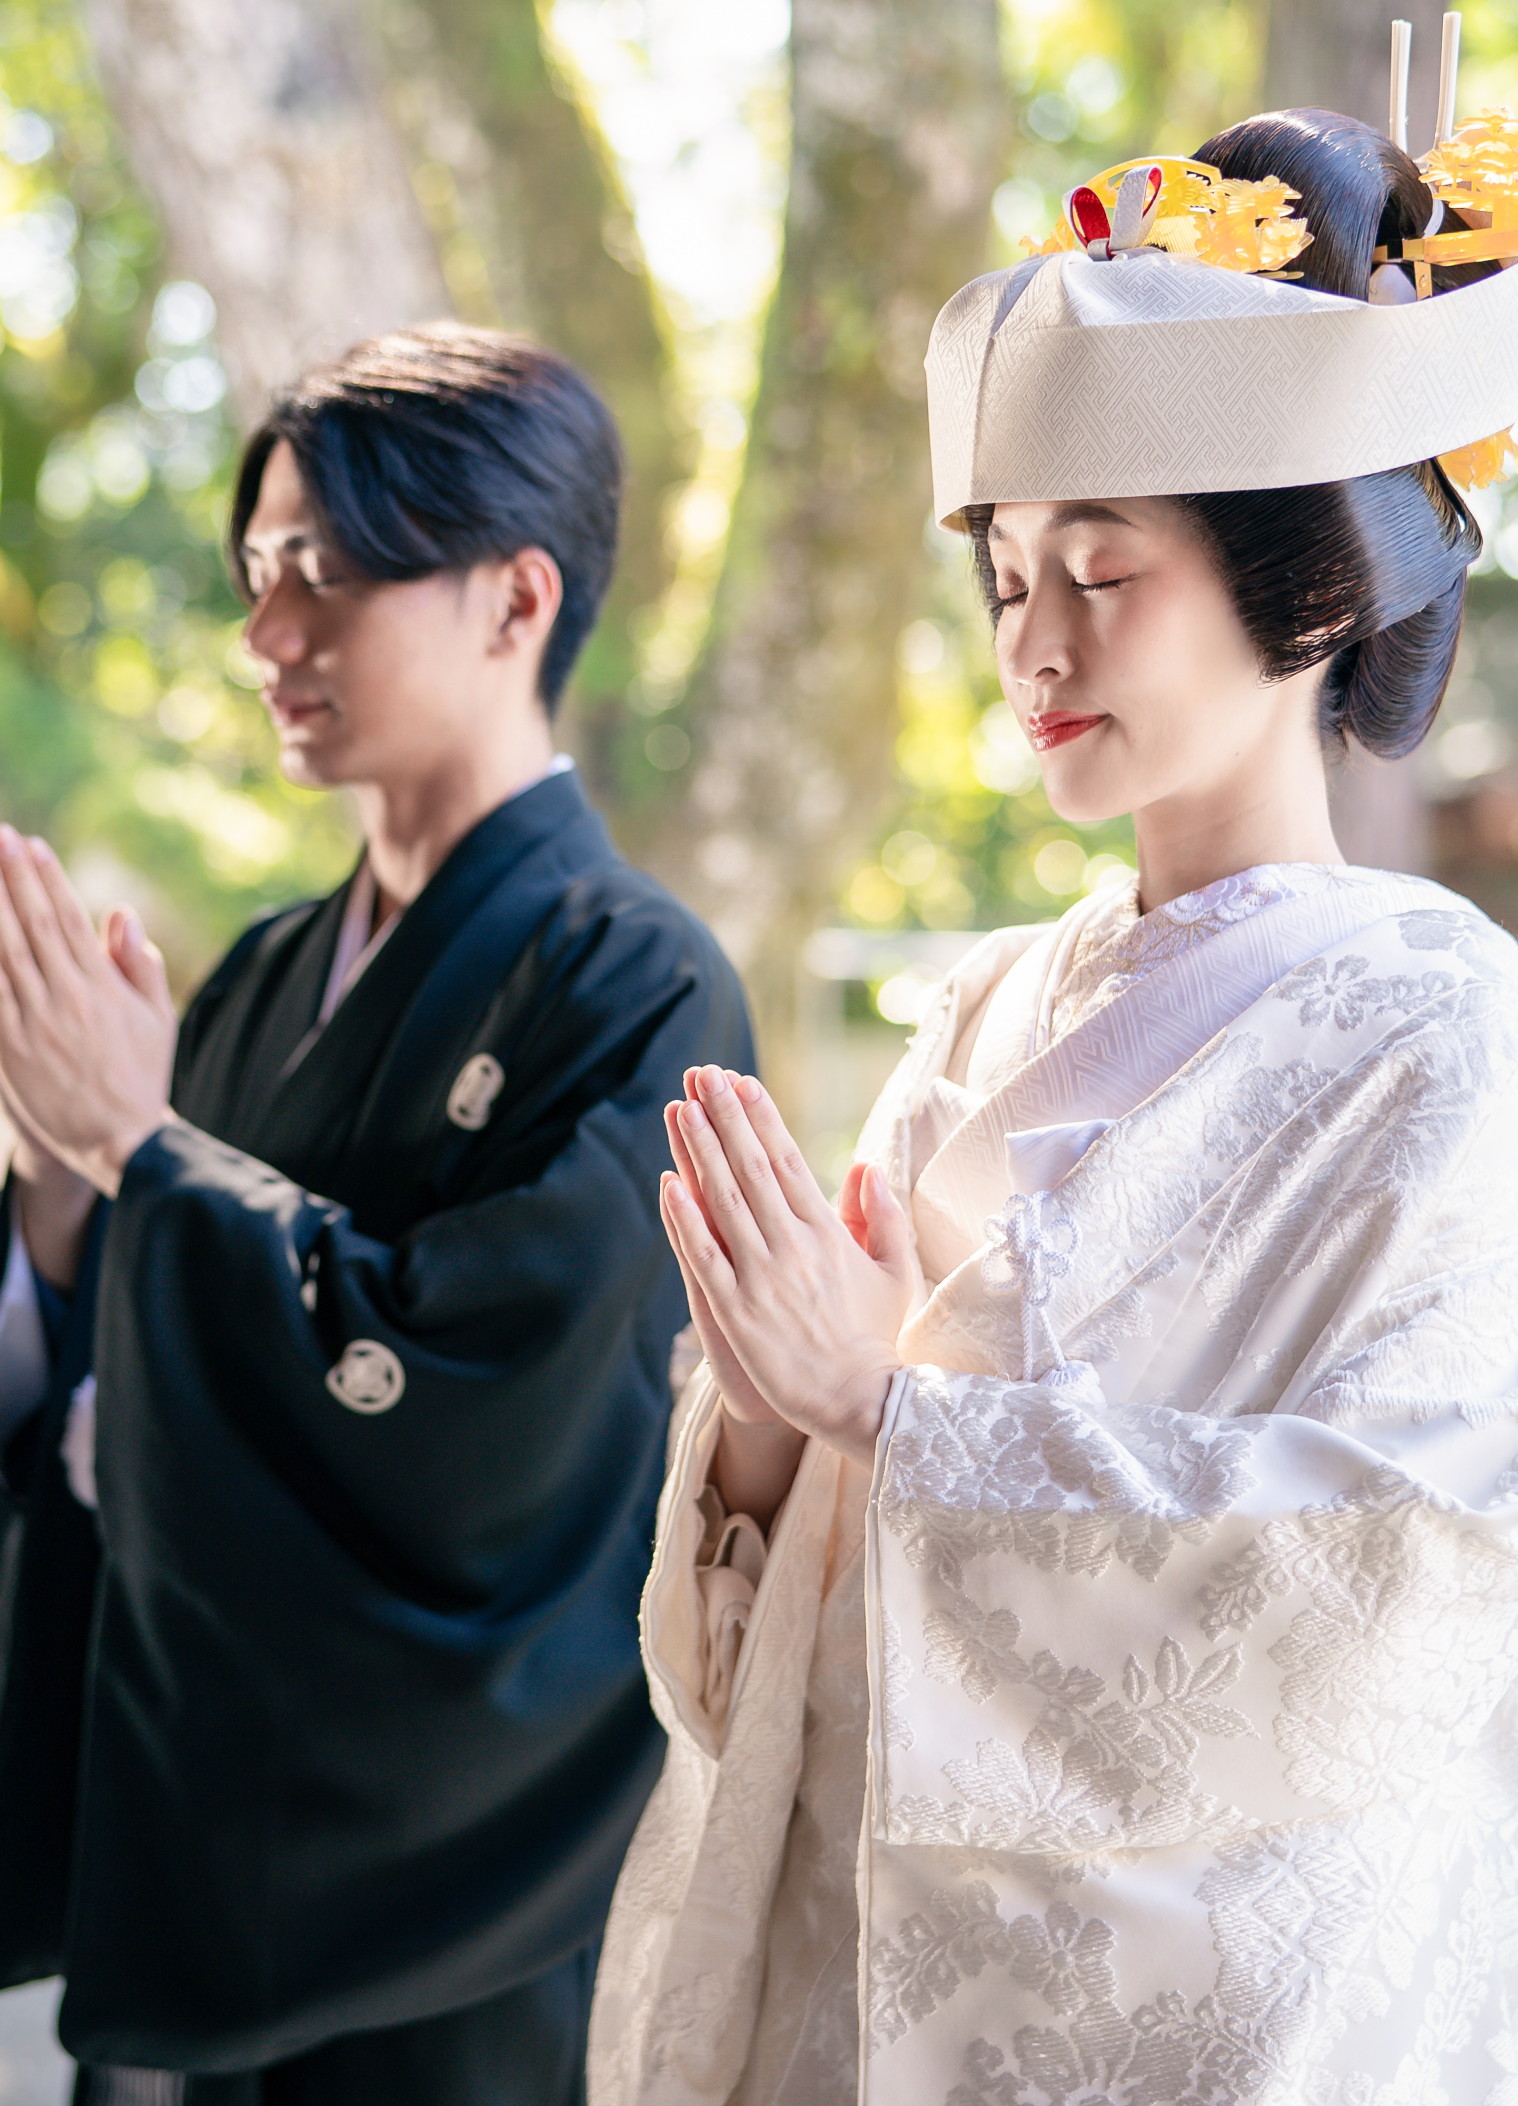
[87, 1025]
[797, 1306]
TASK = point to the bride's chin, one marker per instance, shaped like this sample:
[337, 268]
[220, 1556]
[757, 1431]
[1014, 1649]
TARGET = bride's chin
[1083, 803]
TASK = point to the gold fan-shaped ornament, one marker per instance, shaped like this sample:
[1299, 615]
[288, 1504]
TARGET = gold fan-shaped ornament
[1203, 214]
[1475, 171]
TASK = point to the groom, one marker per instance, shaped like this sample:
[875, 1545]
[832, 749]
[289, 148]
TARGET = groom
[381, 1319]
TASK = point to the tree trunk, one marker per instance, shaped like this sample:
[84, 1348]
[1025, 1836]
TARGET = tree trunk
[562, 261]
[261, 136]
[265, 140]
[1336, 54]
[898, 109]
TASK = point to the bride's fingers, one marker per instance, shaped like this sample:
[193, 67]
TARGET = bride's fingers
[850, 1208]
[708, 1330]
[702, 1260]
[695, 1294]
[724, 1201]
[684, 1166]
[887, 1238]
[747, 1157]
[792, 1172]
[722, 1358]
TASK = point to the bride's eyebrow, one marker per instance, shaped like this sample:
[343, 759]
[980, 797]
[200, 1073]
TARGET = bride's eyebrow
[1078, 512]
[1086, 514]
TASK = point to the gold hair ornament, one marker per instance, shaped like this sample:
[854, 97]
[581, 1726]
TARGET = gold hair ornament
[1198, 212]
[1474, 170]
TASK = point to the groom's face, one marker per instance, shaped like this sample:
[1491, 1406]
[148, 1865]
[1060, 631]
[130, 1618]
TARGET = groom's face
[375, 680]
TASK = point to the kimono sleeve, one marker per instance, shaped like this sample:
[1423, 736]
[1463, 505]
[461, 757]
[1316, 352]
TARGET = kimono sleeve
[25, 1354]
[471, 1400]
[1098, 1625]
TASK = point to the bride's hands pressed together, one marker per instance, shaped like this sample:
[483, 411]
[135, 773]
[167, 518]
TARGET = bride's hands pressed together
[798, 1316]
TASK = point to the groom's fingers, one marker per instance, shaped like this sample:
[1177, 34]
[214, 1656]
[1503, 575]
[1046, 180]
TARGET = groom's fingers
[12, 1025]
[35, 910]
[74, 926]
[16, 957]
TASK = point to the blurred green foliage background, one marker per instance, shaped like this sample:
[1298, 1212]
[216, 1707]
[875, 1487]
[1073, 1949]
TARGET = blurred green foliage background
[130, 728]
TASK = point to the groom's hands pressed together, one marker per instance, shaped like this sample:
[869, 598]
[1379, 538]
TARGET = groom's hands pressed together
[87, 1025]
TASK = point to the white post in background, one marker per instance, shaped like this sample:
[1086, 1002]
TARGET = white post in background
[1331, 54]
[1401, 56]
[1449, 78]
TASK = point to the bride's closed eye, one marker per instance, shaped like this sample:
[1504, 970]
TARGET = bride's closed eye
[1100, 584]
[1017, 592]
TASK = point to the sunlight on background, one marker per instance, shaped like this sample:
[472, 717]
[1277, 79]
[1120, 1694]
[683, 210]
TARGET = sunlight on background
[128, 725]
[691, 98]
[692, 102]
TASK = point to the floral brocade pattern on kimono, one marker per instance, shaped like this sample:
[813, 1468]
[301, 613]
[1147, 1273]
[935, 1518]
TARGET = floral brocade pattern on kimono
[1185, 1596]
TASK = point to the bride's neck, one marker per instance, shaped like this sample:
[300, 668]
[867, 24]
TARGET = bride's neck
[1273, 808]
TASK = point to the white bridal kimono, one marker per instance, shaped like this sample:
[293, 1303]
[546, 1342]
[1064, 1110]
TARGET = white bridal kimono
[1153, 1709]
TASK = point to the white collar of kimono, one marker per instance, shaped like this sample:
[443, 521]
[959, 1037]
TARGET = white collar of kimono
[1178, 976]
[359, 942]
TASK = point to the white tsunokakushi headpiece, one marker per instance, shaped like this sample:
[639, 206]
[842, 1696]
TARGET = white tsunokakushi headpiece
[1155, 346]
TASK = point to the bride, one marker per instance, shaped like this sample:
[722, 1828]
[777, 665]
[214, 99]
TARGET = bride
[1085, 1607]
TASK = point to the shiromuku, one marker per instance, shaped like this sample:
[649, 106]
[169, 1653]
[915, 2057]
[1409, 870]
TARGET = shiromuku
[1085, 1608]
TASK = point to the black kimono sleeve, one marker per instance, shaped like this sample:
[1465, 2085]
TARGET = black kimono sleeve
[369, 1728]
[51, 1558]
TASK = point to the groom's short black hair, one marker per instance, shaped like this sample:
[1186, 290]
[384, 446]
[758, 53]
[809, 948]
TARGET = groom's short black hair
[437, 448]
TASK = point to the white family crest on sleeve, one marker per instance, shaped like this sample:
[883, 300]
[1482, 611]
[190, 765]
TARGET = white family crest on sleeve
[368, 1378]
[475, 1089]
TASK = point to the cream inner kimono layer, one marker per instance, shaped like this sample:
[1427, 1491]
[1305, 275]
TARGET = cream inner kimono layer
[1153, 1710]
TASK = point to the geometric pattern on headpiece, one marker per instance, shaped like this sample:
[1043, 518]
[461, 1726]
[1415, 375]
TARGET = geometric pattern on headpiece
[1151, 375]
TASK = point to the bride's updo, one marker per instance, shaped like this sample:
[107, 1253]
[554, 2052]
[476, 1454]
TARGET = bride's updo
[1368, 574]
[1375, 566]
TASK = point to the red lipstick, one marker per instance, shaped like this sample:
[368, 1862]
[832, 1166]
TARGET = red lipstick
[1048, 728]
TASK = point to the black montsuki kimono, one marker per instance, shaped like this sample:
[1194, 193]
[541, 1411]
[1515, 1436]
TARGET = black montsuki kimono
[382, 1344]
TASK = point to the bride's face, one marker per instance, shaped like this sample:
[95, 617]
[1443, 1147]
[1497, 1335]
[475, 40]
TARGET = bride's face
[1123, 658]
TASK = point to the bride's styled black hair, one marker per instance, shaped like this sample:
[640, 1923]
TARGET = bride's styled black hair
[1369, 573]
